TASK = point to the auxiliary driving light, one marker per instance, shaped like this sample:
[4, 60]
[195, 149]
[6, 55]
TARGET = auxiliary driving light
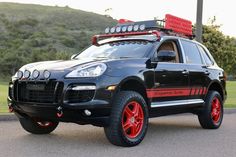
[142, 27]
[107, 30]
[19, 74]
[46, 74]
[26, 74]
[87, 112]
[124, 28]
[118, 29]
[36, 74]
[113, 29]
[130, 28]
[136, 27]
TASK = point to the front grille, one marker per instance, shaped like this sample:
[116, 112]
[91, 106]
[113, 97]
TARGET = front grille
[73, 96]
[39, 92]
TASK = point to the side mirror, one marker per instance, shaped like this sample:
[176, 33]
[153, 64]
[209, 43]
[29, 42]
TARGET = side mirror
[73, 56]
[166, 56]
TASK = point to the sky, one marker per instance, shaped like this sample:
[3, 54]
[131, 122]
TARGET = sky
[138, 10]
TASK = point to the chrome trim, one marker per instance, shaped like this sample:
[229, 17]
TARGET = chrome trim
[176, 103]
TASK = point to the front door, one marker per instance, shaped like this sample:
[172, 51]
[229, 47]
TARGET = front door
[171, 79]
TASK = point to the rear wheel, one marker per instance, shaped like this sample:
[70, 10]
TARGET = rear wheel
[37, 126]
[212, 115]
[128, 121]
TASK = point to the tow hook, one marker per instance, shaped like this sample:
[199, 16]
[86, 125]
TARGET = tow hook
[59, 112]
[10, 108]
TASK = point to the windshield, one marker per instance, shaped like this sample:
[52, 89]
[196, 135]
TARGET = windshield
[119, 49]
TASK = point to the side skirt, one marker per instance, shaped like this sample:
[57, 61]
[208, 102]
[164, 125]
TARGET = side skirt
[174, 107]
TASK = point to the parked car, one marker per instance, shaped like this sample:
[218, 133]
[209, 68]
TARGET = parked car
[136, 71]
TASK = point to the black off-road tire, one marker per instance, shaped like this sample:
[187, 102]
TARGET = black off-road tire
[38, 127]
[115, 132]
[206, 118]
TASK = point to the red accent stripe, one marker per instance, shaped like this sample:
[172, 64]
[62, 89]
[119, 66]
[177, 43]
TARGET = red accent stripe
[172, 92]
[201, 91]
[192, 91]
[168, 92]
[205, 90]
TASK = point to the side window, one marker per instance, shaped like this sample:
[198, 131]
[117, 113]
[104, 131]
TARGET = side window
[170, 45]
[205, 56]
[191, 52]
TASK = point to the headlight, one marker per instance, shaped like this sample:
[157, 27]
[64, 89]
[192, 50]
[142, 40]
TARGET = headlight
[93, 70]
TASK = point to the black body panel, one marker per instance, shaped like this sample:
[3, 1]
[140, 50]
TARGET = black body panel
[169, 88]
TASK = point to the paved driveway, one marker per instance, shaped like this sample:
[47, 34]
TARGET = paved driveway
[173, 136]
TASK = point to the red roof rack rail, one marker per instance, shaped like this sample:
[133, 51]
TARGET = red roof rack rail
[96, 38]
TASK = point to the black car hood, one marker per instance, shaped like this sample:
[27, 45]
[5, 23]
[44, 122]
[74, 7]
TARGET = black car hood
[58, 69]
[58, 65]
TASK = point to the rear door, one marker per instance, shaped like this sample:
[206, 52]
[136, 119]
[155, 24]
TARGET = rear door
[197, 72]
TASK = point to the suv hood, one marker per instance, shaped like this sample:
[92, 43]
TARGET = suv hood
[58, 65]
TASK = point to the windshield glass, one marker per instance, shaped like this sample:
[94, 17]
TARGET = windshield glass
[120, 49]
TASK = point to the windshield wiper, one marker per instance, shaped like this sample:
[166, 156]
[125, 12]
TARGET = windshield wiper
[102, 57]
[125, 57]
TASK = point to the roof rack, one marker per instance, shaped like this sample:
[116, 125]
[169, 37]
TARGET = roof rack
[171, 25]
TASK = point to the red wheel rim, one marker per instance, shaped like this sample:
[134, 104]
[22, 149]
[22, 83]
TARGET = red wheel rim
[132, 119]
[215, 110]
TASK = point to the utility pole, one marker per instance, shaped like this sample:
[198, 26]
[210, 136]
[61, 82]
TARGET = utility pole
[199, 20]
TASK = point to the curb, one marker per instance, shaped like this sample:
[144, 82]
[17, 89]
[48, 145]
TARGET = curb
[8, 117]
[12, 117]
[230, 110]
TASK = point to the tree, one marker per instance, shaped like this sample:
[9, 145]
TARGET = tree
[222, 47]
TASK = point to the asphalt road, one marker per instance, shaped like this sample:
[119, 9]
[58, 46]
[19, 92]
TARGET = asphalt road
[173, 136]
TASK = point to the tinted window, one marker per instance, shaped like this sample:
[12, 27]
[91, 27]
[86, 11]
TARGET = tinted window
[191, 52]
[205, 56]
[170, 46]
[120, 49]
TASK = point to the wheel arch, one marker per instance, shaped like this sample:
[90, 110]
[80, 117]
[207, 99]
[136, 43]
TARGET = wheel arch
[136, 84]
[216, 86]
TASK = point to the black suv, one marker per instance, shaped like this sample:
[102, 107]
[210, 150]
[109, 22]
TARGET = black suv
[136, 71]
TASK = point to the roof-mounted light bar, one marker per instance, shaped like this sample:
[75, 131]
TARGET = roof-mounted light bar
[172, 25]
[125, 28]
[96, 38]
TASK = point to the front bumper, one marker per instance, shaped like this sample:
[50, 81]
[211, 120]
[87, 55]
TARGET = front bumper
[73, 111]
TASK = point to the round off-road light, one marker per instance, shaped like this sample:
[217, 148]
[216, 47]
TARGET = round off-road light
[142, 27]
[130, 28]
[136, 27]
[36, 74]
[118, 29]
[87, 112]
[124, 28]
[26, 74]
[113, 29]
[107, 30]
[19, 74]
[46, 74]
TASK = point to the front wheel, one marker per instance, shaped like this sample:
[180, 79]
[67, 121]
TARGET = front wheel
[212, 115]
[128, 120]
[37, 126]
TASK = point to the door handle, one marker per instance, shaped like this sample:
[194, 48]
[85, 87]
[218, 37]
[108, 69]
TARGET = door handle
[185, 72]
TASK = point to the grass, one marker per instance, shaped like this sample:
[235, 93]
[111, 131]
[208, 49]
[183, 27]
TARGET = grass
[231, 94]
[230, 102]
[3, 97]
